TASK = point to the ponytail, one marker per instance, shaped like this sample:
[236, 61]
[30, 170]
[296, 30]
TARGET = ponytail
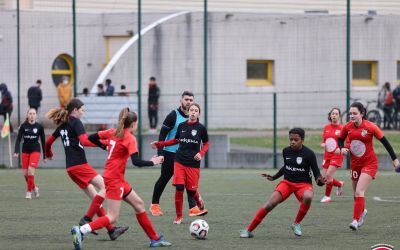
[58, 115]
[125, 120]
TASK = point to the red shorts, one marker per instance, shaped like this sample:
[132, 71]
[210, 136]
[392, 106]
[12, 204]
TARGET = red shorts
[30, 160]
[286, 188]
[117, 189]
[356, 171]
[186, 175]
[334, 161]
[82, 174]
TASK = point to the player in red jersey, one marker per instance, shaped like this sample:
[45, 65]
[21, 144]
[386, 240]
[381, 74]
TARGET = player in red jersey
[363, 160]
[74, 138]
[331, 161]
[121, 145]
[190, 135]
[30, 131]
[299, 161]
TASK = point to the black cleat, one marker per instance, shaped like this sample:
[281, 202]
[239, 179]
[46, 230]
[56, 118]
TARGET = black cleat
[116, 232]
[85, 220]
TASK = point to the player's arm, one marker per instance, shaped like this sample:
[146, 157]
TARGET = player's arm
[101, 137]
[139, 162]
[49, 142]
[42, 141]
[278, 174]
[161, 144]
[342, 149]
[166, 127]
[381, 137]
[18, 141]
[314, 168]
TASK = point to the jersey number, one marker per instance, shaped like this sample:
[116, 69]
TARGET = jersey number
[112, 142]
[64, 137]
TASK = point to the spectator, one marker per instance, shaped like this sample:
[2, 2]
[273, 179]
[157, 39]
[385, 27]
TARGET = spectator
[109, 88]
[6, 106]
[100, 90]
[385, 102]
[396, 99]
[123, 91]
[154, 94]
[35, 95]
[64, 91]
[85, 92]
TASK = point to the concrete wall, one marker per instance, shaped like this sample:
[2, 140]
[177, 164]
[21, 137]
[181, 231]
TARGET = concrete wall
[308, 53]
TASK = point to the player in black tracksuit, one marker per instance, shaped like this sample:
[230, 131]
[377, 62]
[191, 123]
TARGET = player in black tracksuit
[299, 162]
[31, 132]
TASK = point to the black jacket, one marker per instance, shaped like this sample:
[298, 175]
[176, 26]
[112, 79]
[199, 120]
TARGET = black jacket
[34, 96]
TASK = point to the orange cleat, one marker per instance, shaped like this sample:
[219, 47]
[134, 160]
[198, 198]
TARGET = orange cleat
[155, 210]
[196, 211]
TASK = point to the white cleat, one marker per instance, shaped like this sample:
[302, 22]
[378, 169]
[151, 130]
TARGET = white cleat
[28, 196]
[36, 192]
[339, 190]
[326, 199]
[362, 218]
[354, 225]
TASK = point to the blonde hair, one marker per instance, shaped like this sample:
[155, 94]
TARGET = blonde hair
[125, 119]
[60, 115]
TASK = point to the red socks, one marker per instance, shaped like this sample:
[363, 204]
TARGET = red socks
[178, 202]
[336, 183]
[301, 213]
[328, 189]
[147, 226]
[94, 206]
[359, 203]
[30, 183]
[99, 223]
[261, 213]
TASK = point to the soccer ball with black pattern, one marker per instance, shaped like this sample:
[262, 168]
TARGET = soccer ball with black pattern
[199, 229]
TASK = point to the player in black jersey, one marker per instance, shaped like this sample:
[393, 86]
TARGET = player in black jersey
[74, 138]
[190, 135]
[31, 132]
[299, 162]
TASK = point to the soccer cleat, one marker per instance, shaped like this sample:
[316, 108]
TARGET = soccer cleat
[296, 229]
[28, 195]
[178, 220]
[161, 242]
[196, 211]
[354, 225]
[246, 234]
[155, 210]
[326, 199]
[86, 220]
[362, 218]
[116, 232]
[200, 203]
[77, 237]
[36, 192]
[339, 190]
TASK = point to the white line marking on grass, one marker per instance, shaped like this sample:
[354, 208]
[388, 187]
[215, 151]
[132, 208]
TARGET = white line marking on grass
[377, 198]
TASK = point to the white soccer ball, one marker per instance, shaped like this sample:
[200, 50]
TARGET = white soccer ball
[199, 229]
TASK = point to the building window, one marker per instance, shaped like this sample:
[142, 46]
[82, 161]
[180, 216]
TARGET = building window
[364, 73]
[259, 72]
[62, 66]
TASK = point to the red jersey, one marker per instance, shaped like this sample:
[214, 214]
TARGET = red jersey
[119, 150]
[360, 138]
[330, 138]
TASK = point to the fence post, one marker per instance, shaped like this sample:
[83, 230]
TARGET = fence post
[275, 130]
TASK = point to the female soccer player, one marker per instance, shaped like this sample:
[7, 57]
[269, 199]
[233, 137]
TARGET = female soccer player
[121, 145]
[363, 160]
[73, 136]
[190, 135]
[298, 161]
[331, 161]
[31, 131]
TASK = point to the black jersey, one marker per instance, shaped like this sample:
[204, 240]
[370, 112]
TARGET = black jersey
[190, 137]
[70, 132]
[298, 165]
[30, 133]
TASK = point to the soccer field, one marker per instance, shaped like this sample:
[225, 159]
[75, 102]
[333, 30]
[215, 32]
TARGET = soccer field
[232, 197]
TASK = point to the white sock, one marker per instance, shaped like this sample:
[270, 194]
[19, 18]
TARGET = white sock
[85, 229]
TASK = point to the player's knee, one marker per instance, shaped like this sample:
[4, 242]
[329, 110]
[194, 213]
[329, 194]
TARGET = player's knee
[180, 187]
[359, 193]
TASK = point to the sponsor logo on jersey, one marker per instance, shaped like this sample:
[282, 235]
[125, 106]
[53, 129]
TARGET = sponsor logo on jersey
[299, 160]
[35, 130]
[194, 132]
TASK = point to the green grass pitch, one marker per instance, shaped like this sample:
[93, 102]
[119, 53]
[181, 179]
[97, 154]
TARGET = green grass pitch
[232, 197]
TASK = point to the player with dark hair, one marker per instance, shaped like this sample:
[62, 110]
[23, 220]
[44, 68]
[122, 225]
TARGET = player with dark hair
[299, 161]
[74, 138]
[30, 131]
[363, 160]
[121, 145]
[331, 161]
[189, 135]
[168, 132]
